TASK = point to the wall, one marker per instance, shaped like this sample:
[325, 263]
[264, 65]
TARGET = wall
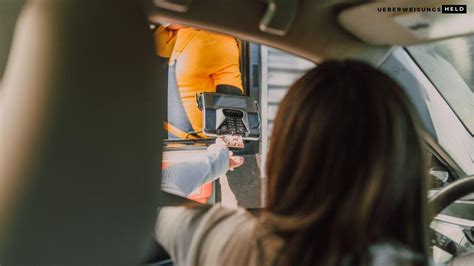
[278, 71]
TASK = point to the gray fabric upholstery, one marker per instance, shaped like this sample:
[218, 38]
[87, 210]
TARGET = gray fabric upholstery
[9, 11]
[82, 134]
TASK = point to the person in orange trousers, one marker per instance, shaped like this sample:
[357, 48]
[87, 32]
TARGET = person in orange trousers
[199, 61]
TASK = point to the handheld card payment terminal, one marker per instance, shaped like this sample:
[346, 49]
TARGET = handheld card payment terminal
[225, 114]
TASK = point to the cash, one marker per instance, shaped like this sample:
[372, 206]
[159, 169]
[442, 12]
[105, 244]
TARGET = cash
[233, 141]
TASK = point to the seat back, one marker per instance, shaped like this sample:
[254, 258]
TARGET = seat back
[9, 10]
[80, 135]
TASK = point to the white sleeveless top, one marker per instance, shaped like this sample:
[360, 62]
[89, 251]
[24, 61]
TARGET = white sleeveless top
[216, 236]
[221, 236]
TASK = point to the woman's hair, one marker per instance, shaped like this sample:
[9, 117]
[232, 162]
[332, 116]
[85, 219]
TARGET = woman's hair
[346, 167]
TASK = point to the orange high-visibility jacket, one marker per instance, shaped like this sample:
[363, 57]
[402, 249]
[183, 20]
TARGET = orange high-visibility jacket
[203, 60]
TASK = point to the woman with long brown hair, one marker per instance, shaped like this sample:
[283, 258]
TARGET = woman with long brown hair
[346, 173]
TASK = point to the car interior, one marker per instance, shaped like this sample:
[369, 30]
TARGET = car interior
[82, 105]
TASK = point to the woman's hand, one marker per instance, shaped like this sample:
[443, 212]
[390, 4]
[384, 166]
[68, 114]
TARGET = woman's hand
[234, 161]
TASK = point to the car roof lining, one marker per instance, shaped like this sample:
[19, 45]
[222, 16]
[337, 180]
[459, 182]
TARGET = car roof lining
[315, 33]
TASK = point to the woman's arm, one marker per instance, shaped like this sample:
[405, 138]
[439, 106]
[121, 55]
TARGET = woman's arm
[182, 178]
[205, 236]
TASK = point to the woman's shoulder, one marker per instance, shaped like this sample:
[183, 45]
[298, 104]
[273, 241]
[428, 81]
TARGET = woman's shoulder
[387, 253]
[217, 236]
[244, 239]
[209, 216]
[224, 217]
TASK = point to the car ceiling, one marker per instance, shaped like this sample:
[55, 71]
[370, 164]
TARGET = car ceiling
[314, 34]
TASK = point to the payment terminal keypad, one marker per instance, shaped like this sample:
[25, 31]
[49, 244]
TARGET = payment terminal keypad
[233, 123]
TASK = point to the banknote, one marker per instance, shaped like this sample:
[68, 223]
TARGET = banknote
[233, 141]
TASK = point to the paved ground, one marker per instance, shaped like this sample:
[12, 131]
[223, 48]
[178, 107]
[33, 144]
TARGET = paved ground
[245, 183]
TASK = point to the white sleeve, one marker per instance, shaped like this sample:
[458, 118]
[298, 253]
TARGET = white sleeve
[184, 177]
[205, 236]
